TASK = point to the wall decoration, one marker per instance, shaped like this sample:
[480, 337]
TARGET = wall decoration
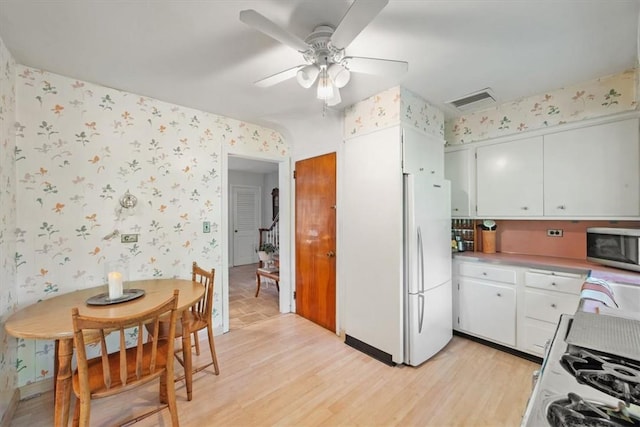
[8, 221]
[80, 148]
[601, 97]
[392, 107]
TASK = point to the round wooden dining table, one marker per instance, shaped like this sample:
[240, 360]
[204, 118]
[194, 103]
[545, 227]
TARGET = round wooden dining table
[51, 320]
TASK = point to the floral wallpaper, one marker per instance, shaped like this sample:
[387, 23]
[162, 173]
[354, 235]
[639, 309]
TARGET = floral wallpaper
[7, 222]
[392, 107]
[80, 147]
[601, 97]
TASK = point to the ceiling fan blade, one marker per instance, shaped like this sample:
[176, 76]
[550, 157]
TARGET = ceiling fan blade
[359, 15]
[278, 77]
[268, 27]
[376, 66]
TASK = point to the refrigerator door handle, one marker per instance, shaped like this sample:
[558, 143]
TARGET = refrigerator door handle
[420, 312]
[420, 260]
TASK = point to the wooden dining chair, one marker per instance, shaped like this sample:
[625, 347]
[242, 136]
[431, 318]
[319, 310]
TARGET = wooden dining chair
[124, 369]
[192, 321]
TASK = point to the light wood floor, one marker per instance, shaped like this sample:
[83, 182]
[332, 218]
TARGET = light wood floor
[287, 371]
[244, 308]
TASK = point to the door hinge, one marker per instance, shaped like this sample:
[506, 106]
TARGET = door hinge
[294, 174]
[458, 286]
[458, 320]
[294, 294]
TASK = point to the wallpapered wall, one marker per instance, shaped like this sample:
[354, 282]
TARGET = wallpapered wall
[601, 97]
[390, 108]
[7, 222]
[80, 147]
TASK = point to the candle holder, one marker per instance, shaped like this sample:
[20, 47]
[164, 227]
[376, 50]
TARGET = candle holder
[117, 278]
[116, 274]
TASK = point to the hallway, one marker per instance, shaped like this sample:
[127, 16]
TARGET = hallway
[244, 308]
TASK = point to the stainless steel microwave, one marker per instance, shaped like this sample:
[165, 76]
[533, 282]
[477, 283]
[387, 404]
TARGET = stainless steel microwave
[616, 247]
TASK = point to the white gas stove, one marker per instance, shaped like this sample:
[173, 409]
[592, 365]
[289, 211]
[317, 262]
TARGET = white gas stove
[583, 387]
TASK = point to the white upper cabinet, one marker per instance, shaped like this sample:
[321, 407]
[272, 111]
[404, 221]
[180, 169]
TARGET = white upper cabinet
[593, 171]
[509, 179]
[458, 170]
[422, 153]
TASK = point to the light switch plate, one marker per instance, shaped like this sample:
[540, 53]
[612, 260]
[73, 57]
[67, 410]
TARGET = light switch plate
[206, 227]
[128, 238]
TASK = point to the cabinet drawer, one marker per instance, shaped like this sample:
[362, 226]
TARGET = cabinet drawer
[536, 336]
[554, 281]
[548, 306]
[486, 272]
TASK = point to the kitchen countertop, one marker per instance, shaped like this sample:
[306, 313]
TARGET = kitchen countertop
[569, 265]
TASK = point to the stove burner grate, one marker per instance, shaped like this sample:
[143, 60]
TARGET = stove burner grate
[574, 411]
[616, 376]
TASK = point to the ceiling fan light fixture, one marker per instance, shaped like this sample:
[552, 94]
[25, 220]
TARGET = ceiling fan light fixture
[325, 87]
[336, 99]
[339, 75]
[306, 76]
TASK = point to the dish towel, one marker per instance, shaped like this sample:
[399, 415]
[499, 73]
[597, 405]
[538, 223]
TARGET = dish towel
[595, 293]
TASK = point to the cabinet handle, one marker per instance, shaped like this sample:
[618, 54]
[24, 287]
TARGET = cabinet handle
[484, 273]
[525, 208]
[553, 284]
[421, 169]
[456, 209]
[562, 207]
[499, 294]
[553, 306]
[433, 172]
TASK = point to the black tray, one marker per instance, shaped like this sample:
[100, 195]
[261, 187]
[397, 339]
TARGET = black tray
[127, 295]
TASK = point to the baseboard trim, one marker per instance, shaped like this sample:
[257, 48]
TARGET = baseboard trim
[370, 350]
[521, 354]
[10, 410]
[36, 389]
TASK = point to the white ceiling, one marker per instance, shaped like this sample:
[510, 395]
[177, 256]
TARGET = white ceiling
[198, 54]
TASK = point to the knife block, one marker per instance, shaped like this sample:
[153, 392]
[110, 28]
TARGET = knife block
[489, 241]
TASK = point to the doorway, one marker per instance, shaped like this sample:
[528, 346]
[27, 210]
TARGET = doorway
[315, 239]
[250, 184]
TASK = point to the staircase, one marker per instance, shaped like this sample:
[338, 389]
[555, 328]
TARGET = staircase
[270, 235]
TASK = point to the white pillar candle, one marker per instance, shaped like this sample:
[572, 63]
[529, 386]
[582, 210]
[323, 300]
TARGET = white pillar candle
[115, 285]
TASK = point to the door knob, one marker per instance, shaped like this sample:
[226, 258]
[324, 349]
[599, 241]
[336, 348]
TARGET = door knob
[331, 254]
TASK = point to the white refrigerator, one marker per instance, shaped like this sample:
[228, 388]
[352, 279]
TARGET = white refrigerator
[395, 291]
[427, 267]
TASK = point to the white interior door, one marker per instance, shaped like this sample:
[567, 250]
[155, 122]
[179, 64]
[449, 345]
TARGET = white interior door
[244, 223]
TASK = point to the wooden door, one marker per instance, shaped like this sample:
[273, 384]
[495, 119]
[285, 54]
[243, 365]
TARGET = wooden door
[316, 239]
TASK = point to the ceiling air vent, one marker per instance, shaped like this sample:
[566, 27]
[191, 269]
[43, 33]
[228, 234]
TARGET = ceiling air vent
[475, 101]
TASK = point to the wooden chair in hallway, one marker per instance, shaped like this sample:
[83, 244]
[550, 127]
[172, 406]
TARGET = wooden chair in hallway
[268, 273]
[192, 321]
[110, 374]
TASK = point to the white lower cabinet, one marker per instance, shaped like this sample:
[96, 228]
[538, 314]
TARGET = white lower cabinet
[547, 294]
[515, 306]
[488, 310]
[486, 301]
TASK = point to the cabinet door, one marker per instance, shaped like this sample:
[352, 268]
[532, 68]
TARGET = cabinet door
[457, 169]
[593, 171]
[422, 154]
[488, 310]
[510, 179]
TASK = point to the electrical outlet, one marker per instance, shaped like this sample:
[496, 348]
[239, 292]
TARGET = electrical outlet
[554, 232]
[206, 227]
[128, 238]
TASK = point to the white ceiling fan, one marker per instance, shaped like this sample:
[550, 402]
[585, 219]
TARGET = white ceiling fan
[324, 51]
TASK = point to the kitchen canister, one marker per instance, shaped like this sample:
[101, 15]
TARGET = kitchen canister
[489, 241]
